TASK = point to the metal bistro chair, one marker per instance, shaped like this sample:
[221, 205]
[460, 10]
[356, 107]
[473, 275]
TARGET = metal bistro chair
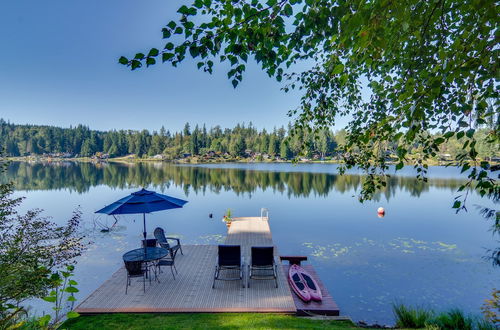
[168, 261]
[229, 258]
[263, 264]
[136, 269]
[159, 234]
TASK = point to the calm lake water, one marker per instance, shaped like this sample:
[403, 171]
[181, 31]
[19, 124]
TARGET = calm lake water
[420, 253]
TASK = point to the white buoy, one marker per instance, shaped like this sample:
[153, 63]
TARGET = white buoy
[381, 210]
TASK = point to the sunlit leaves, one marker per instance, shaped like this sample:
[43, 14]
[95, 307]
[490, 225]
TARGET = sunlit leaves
[410, 76]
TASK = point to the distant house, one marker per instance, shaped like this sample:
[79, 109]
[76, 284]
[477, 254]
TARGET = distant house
[445, 157]
[159, 157]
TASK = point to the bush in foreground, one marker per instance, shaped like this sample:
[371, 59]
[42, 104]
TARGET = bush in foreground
[418, 317]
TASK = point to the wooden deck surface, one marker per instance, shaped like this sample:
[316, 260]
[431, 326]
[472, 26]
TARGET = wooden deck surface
[192, 291]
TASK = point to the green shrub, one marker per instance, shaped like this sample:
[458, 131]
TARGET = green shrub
[409, 317]
[453, 319]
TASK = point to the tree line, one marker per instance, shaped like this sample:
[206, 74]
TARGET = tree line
[24, 140]
[239, 141]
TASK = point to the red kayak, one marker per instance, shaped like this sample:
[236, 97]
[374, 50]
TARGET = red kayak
[304, 284]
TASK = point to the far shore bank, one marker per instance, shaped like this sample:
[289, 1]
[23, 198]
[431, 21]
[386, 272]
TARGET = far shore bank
[203, 160]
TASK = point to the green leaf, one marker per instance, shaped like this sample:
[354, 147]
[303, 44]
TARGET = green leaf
[136, 64]
[72, 282]
[139, 56]
[71, 289]
[448, 135]
[338, 69]
[399, 166]
[198, 3]
[271, 2]
[44, 320]
[234, 82]
[72, 315]
[123, 60]
[150, 61]
[465, 168]
[183, 10]
[153, 52]
[456, 205]
[50, 299]
[172, 25]
[169, 46]
[470, 133]
[194, 51]
[166, 56]
[71, 298]
[166, 33]
[439, 140]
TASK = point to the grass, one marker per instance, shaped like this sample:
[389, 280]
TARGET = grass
[202, 321]
[417, 317]
[411, 317]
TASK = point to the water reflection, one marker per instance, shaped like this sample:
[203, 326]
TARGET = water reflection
[80, 177]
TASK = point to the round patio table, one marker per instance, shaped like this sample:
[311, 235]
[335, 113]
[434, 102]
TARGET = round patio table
[152, 253]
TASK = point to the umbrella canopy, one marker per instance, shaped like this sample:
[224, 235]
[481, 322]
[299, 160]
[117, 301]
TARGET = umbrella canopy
[142, 201]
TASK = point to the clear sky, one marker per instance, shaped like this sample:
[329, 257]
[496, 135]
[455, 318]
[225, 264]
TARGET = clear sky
[59, 66]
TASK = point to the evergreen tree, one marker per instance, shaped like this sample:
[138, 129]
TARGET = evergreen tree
[237, 146]
[285, 151]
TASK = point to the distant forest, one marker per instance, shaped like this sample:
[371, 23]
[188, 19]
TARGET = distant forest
[240, 141]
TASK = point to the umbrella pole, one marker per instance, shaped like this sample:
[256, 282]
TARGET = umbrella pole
[144, 232]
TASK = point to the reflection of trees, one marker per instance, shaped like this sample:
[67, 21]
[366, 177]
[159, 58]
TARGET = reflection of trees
[81, 176]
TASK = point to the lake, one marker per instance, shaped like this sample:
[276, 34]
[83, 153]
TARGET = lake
[421, 253]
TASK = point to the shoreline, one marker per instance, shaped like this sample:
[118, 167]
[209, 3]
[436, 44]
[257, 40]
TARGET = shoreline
[196, 160]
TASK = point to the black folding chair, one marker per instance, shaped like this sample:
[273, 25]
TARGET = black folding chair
[135, 269]
[159, 234]
[262, 265]
[229, 259]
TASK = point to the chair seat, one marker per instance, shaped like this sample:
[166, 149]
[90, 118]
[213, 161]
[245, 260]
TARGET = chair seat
[165, 262]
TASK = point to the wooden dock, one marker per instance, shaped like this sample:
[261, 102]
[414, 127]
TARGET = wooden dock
[191, 291]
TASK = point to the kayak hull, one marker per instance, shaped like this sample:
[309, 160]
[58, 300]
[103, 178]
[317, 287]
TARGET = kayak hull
[297, 283]
[303, 284]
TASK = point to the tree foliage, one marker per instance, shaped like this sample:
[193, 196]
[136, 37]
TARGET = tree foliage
[398, 69]
[32, 249]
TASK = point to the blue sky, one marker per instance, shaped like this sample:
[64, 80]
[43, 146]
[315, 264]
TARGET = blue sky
[58, 66]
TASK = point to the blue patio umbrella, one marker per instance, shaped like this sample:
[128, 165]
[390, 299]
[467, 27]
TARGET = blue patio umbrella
[142, 201]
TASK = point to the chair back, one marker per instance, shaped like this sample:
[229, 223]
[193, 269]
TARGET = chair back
[150, 242]
[165, 245]
[134, 267]
[159, 234]
[229, 255]
[262, 255]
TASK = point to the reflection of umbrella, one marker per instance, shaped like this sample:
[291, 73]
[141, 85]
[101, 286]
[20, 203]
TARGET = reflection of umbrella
[142, 201]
